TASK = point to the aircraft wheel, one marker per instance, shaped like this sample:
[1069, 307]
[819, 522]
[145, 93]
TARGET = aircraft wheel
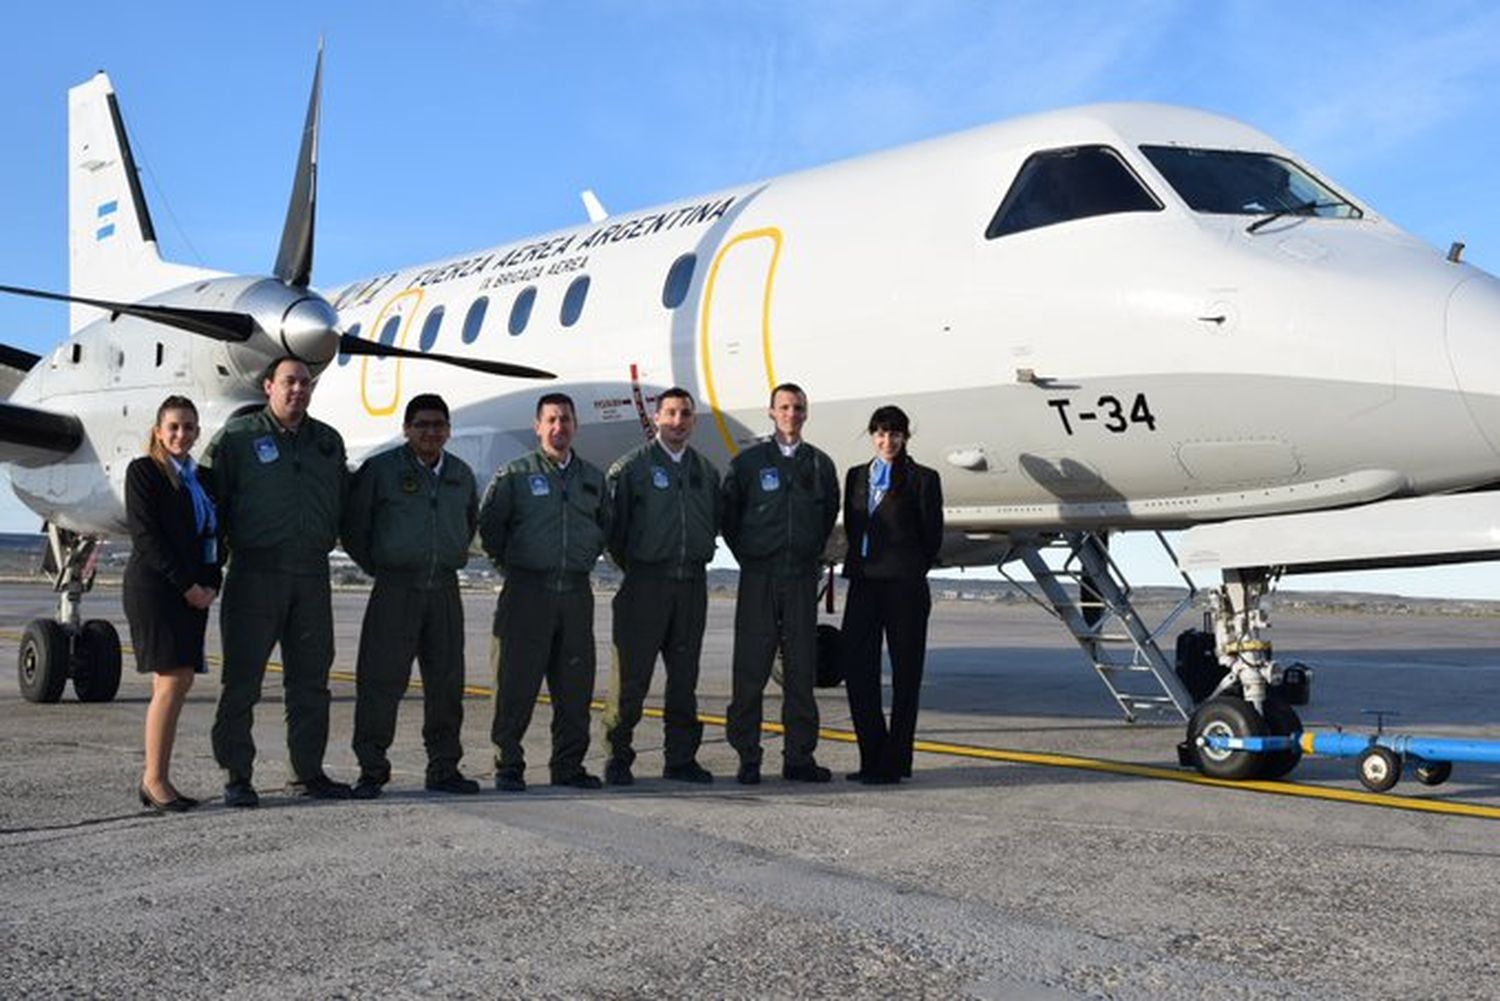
[42, 667]
[1433, 773]
[1379, 768]
[1226, 716]
[1281, 721]
[96, 662]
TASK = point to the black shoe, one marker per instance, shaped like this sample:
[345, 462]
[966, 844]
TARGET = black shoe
[749, 773]
[810, 772]
[320, 786]
[873, 778]
[188, 802]
[618, 773]
[241, 795]
[510, 782]
[366, 788]
[178, 805]
[455, 784]
[579, 780]
[690, 771]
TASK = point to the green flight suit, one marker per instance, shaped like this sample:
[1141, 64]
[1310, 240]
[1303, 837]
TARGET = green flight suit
[409, 526]
[664, 523]
[544, 528]
[280, 495]
[777, 514]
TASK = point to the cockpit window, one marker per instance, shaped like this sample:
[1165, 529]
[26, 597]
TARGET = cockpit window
[1075, 183]
[1232, 182]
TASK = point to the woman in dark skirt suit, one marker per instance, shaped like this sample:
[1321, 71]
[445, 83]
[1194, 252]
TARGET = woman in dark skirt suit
[893, 516]
[170, 582]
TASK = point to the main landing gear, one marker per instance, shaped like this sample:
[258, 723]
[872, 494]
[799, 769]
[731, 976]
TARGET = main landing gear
[53, 650]
[1244, 693]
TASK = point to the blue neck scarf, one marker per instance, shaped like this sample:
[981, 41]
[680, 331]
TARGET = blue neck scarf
[880, 482]
[203, 508]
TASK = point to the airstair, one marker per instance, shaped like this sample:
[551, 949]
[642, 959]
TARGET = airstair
[1089, 594]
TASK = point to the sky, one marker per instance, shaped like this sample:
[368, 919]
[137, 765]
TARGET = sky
[459, 124]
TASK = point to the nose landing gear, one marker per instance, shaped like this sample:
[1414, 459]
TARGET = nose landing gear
[52, 650]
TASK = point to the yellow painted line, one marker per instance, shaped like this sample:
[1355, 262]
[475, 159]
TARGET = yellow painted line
[1044, 759]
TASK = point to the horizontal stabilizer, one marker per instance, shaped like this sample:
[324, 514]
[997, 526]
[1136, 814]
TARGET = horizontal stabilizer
[14, 364]
[30, 437]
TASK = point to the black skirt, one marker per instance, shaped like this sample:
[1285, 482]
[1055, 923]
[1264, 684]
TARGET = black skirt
[166, 632]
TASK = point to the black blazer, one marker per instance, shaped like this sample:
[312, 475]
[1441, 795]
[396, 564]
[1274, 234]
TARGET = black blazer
[166, 549]
[905, 531]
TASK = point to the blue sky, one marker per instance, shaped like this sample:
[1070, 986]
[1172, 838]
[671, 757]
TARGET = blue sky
[457, 124]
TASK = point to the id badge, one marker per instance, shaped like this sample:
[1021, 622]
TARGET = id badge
[265, 449]
[539, 485]
[210, 551]
[770, 479]
[659, 478]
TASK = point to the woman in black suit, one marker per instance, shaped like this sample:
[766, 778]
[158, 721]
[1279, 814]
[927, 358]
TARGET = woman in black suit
[893, 517]
[170, 582]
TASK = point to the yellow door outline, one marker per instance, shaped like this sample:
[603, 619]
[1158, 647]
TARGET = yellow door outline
[768, 233]
[364, 367]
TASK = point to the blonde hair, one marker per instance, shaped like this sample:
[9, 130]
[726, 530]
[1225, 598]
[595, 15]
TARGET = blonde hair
[155, 448]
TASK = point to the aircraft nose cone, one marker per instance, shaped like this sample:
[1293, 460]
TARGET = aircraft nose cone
[309, 330]
[1473, 332]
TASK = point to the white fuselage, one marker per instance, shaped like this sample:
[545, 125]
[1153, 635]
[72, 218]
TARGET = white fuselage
[1130, 370]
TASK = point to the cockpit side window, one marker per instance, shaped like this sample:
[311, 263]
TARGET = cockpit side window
[1062, 184]
[1235, 182]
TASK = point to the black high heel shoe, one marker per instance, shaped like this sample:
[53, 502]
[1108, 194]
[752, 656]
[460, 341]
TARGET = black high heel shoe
[179, 805]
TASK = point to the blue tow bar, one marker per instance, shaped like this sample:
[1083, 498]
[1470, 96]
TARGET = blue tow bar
[1380, 755]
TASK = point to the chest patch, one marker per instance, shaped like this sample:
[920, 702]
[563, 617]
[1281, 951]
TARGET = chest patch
[659, 478]
[539, 485]
[266, 450]
[770, 479]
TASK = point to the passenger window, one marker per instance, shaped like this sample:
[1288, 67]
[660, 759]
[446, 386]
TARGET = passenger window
[351, 332]
[520, 310]
[1064, 184]
[474, 319]
[390, 330]
[572, 304]
[679, 277]
[430, 328]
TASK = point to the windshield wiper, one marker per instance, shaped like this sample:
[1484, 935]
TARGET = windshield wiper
[1305, 208]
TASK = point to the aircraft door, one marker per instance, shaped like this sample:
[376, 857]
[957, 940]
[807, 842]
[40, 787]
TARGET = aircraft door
[380, 378]
[735, 348]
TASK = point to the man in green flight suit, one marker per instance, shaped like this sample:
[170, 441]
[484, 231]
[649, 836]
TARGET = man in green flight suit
[781, 498]
[279, 477]
[410, 517]
[664, 500]
[544, 522]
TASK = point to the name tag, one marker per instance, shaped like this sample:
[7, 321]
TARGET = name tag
[265, 449]
[770, 479]
[210, 551]
[659, 478]
[539, 485]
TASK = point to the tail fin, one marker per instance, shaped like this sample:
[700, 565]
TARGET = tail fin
[112, 244]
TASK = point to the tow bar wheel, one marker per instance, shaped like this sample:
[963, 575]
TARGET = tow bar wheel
[1379, 768]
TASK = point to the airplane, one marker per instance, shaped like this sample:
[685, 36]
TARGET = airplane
[1117, 317]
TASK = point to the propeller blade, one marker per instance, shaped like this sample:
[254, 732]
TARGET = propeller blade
[294, 260]
[220, 325]
[359, 346]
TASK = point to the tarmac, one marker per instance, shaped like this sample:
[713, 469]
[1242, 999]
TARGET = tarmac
[1043, 849]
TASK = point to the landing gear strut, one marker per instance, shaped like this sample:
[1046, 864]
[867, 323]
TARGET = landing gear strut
[52, 650]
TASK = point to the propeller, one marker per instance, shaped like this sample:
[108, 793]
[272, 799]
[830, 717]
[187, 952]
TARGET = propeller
[290, 317]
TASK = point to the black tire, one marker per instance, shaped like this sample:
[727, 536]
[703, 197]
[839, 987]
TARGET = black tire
[830, 667]
[1281, 721]
[96, 662]
[1226, 716]
[1379, 768]
[42, 667]
[1433, 773]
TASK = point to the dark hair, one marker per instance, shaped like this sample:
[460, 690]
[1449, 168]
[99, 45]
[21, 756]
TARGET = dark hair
[268, 374]
[425, 401]
[154, 447]
[787, 387]
[676, 393]
[890, 418]
[556, 400]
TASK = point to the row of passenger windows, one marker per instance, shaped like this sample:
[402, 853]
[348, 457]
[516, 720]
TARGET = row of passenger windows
[1060, 185]
[673, 293]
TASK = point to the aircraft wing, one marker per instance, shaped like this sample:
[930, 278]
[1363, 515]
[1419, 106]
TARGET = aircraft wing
[31, 437]
[14, 364]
